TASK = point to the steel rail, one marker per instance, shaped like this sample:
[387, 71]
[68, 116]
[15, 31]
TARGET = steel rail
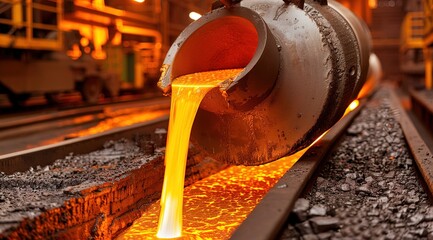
[269, 216]
[14, 122]
[273, 211]
[45, 155]
[418, 141]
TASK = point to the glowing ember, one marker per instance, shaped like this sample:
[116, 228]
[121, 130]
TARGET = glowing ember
[187, 93]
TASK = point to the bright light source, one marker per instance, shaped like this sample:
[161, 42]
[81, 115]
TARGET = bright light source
[139, 1]
[194, 16]
[84, 42]
[372, 4]
[353, 105]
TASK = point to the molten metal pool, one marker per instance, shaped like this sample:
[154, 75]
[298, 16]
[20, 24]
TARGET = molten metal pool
[215, 206]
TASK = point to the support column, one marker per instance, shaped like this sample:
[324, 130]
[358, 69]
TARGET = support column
[428, 59]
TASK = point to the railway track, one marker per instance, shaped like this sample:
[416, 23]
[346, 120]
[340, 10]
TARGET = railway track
[275, 216]
[309, 203]
[27, 131]
[110, 177]
[38, 104]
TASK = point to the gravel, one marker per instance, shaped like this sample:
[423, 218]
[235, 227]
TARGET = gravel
[369, 187]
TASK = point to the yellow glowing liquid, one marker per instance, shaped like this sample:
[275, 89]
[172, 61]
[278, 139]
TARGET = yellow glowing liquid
[216, 206]
[187, 94]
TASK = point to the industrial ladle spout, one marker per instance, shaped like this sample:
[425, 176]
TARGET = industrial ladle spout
[302, 66]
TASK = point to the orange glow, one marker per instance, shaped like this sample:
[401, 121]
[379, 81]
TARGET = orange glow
[372, 4]
[117, 39]
[98, 4]
[366, 89]
[185, 100]
[75, 53]
[353, 105]
[84, 42]
[117, 118]
[100, 37]
[139, 1]
[120, 121]
[217, 205]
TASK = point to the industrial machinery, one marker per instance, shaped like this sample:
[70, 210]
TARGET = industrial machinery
[304, 63]
[49, 47]
[428, 43]
[411, 45]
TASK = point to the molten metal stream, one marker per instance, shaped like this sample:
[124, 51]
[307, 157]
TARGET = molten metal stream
[187, 94]
[216, 206]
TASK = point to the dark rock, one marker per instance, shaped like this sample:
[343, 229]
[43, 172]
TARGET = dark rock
[422, 232]
[400, 225]
[408, 236]
[364, 189]
[324, 224]
[415, 219]
[290, 233]
[383, 200]
[354, 130]
[324, 236]
[373, 213]
[413, 199]
[390, 175]
[300, 210]
[409, 162]
[390, 236]
[352, 176]
[429, 214]
[317, 210]
[345, 187]
[310, 237]
[366, 235]
[369, 179]
[304, 228]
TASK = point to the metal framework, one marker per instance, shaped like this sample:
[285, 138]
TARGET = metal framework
[23, 24]
[428, 42]
[412, 31]
[412, 43]
[127, 38]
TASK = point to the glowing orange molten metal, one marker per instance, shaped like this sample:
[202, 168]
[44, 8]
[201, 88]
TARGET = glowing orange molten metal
[216, 206]
[187, 94]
